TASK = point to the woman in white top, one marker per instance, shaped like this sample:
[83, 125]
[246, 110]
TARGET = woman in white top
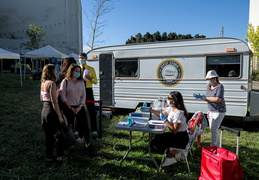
[177, 123]
[50, 115]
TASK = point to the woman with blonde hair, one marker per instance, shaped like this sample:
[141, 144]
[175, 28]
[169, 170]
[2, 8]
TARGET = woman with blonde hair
[50, 115]
[73, 95]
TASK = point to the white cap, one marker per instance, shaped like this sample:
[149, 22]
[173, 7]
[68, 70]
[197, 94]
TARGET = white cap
[211, 74]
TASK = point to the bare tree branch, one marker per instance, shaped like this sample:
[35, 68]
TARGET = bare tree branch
[95, 25]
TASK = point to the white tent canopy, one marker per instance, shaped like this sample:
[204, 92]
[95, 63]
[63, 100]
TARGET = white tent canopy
[8, 55]
[74, 55]
[45, 52]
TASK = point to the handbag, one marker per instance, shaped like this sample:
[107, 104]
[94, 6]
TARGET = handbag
[65, 136]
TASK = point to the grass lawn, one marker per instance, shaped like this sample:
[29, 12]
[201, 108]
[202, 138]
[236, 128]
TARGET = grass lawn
[22, 145]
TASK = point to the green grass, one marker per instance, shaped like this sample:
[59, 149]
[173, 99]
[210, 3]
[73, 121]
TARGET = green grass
[22, 145]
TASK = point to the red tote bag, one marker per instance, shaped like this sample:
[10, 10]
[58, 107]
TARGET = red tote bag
[219, 164]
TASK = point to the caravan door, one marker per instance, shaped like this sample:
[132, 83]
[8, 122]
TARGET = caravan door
[106, 80]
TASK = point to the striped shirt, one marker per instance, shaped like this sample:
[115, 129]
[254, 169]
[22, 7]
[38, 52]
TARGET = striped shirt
[218, 91]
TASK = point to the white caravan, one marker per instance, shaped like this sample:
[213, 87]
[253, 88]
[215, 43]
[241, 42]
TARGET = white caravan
[130, 75]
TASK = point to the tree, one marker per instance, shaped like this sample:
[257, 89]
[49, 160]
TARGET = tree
[157, 37]
[35, 35]
[164, 36]
[148, 37]
[95, 25]
[253, 39]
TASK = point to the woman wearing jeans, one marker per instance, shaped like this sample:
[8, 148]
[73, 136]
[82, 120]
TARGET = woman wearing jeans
[216, 105]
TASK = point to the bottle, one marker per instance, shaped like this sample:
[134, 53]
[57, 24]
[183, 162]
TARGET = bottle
[129, 119]
[160, 102]
[144, 104]
[155, 104]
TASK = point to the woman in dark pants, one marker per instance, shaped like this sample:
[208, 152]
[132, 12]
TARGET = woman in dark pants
[90, 78]
[73, 95]
[177, 123]
[50, 115]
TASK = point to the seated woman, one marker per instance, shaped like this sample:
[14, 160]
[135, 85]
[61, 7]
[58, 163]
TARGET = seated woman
[177, 123]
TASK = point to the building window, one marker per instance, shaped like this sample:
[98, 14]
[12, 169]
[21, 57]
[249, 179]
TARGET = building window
[225, 66]
[126, 68]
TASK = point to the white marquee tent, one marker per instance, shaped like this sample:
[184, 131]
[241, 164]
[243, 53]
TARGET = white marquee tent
[45, 52]
[74, 55]
[8, 55]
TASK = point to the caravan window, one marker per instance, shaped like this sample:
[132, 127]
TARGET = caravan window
[226, 66]
[126, 68]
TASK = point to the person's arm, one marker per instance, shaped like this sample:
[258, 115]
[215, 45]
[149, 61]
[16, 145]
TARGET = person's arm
[156, 112]
[93, 76]
[174, 121]
[54, 100]
[63, 88]
[213, 99]
[219, 94]
[82, 102]
[173, 127]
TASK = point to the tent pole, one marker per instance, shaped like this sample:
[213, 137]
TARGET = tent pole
[24, 68]
[20, 71]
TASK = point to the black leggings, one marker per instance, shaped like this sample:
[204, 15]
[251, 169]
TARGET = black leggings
[50, 124]
[81, 122]
[163, 141]
[91, 108]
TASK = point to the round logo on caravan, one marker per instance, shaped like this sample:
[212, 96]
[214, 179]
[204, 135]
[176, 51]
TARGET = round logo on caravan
[169, 72]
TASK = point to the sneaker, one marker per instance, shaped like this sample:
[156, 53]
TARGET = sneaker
[80, 140]
[178, 156]
[94, 133]
[169, 161]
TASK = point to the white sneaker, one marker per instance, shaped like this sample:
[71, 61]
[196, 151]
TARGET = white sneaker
[178, 156]
[94, 133]
[169, 161]
[80, 140]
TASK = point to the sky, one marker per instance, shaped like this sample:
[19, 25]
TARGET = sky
[204, 17]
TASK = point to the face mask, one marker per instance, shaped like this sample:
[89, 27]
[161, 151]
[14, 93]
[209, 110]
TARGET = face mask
[76, 74]
[208, 82]
[168, 103]
[82, 61]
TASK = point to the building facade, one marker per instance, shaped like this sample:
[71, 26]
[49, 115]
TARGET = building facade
[60, 19]
[254, 20]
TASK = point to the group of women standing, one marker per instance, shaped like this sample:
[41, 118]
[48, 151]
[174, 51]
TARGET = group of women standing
[71, 92]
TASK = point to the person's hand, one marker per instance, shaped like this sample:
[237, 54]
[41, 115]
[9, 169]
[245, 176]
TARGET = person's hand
[199, 96]
[77, 110]
[72, 109]
[88, 77]
[61, 120]
[163, 117]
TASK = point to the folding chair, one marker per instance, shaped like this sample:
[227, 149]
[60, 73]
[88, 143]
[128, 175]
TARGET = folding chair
[195, 129]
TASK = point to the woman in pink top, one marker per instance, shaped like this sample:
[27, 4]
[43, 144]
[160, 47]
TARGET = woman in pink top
[50, 115]
[73, 95]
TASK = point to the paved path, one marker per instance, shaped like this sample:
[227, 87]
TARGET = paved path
[255, 85]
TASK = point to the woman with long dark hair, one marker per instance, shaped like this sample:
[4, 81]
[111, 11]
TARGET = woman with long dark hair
[177, 124]
[50, 115]
[73, 95]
